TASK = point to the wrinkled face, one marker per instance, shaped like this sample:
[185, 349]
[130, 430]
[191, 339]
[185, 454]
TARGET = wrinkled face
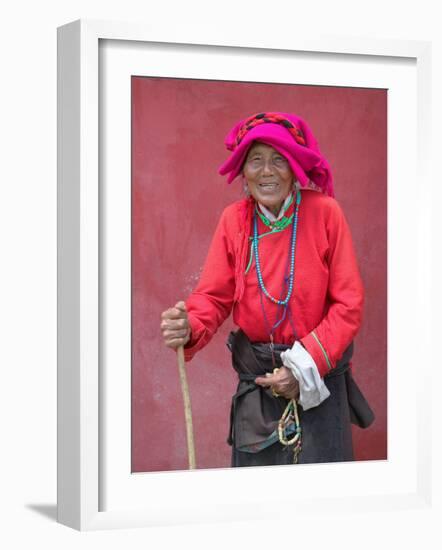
[268, 176]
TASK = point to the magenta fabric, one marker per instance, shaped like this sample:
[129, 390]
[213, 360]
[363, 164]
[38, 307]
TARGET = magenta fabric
[306, 161]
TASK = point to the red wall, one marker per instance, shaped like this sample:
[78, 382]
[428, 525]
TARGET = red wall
[178, 130]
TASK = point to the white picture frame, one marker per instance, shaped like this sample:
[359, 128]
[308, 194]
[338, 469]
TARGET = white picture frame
[82, 468]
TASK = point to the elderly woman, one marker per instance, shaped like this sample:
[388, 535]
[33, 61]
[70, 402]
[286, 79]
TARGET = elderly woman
[282, 260]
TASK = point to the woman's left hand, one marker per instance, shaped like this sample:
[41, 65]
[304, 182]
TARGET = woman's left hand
[282, 382]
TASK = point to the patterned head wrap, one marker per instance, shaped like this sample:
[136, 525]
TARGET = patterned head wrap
[291, 137]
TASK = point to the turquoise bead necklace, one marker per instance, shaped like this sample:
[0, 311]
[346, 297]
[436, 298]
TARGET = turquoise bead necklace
[292, 256]
[281, 302]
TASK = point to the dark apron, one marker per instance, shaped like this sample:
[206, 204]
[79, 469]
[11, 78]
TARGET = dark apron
[255, 412]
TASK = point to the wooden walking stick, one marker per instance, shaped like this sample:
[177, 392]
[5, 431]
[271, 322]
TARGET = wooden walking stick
[187, 409]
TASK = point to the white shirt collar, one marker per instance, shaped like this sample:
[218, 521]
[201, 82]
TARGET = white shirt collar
[269, 215]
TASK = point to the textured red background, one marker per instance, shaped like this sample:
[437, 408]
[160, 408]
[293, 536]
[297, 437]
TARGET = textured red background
[178, 130]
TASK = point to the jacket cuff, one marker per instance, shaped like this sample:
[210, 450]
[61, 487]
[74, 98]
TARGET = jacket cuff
[312, 389]
[315, 348]
[197, 333]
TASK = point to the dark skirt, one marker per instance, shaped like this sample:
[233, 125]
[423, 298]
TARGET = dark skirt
[326, 429]
[326, 433]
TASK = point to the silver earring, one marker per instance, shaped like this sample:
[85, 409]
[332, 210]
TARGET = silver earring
[245, 187]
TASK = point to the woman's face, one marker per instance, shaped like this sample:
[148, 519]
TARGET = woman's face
[268, 176]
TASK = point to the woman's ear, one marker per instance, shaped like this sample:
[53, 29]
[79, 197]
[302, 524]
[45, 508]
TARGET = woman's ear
[245, 187]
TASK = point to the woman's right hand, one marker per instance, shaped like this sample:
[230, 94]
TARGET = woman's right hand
[175, 326]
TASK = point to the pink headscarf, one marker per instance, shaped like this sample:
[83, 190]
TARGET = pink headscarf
[291, 137]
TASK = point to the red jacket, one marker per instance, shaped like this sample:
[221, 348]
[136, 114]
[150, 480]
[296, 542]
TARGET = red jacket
[327, 299]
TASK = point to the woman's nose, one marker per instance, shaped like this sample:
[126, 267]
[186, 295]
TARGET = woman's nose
[267, 167]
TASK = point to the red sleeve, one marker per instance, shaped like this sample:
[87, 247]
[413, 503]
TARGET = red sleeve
[211, 302]
[329, 339]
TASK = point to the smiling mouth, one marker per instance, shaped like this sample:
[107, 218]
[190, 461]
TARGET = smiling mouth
[268, 186]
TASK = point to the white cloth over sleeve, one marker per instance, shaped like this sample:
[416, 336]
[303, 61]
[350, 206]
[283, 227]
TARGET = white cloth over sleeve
[312, 390]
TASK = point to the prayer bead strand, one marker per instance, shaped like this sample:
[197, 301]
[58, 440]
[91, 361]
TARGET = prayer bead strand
[291, 415]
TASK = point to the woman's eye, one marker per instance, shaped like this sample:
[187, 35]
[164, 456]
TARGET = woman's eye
[280, 162]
